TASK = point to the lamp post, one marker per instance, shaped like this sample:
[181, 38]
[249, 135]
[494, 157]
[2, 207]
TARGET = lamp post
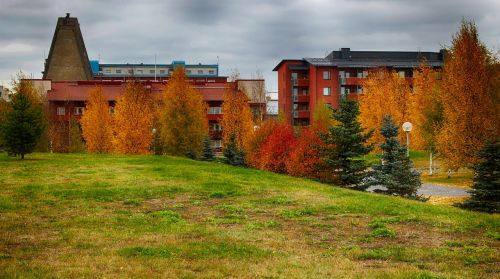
[407, 128]
[154, 141]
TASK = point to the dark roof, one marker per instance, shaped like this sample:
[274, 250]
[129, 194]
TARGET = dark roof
[286, 60]
[346, 58]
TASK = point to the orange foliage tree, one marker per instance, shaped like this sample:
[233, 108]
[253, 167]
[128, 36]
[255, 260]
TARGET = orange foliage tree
[183, 120]
[304, 157]
[469, 106]
[237, 119]
[133, 120]
[253, 156]
[384, 92]
[96, 123]
[425, 107]
[276, 148]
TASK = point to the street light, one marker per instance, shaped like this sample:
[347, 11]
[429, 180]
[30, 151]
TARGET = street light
[407, 128]
[154, 139]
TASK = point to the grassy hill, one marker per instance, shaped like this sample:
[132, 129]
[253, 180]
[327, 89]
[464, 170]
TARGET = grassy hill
[143, 216]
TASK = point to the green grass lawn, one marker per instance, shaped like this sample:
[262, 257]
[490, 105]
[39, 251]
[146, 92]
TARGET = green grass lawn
[146, 216]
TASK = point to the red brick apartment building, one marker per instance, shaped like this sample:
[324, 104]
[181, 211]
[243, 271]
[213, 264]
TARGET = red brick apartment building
[302, 83]
[69, 76]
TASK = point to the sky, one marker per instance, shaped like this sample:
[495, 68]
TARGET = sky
[250, 36]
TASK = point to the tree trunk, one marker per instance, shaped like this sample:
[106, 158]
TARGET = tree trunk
[430, 163]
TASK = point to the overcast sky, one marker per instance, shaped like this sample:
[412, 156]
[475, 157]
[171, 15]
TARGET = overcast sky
[246, 35]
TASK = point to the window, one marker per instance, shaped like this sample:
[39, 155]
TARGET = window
[216, 143]
[216, 127]
[342, 90]
[188, 72]
[78, 111]
[359, 75]
[200, 72]
[365, 74]
[360, 89]
[118, 71]
[130, 71]
[215, 110]
[327, 91]
[61, 111]
[211, 72]
[401, 74]
[326, 75]
[107, 71]
[341, 74]
[162, 72]
[347, 75]
[151, 71]
[139, 71]
[111, 109]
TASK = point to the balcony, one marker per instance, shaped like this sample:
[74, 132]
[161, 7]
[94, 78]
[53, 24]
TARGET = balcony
[302, 98]
[301, 114]
[300, 82]
[353, 81]
[214, 116]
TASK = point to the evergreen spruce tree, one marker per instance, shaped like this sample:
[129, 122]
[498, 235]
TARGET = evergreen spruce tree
[485, 193]
[23, 127]
[208, 153]
[395, 172]
[345, 143]
[233, 155]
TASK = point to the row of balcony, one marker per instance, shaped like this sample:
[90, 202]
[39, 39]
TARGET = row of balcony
[301, 114]
[301, 98]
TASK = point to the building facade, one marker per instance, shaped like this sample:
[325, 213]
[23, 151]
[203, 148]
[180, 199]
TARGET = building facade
[303, 83]
[69, 77]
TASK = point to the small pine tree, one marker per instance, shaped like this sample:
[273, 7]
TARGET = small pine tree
[485, 193]
[233, 155]
[24, 126]
[395, 172]
[344, 144]
[208, 152]
[76, 144]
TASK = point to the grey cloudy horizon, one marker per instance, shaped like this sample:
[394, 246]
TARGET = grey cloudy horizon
[250, 36]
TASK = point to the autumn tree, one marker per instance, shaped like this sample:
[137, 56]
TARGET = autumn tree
[426, 110]
[304, 156]
[133, 120]
[384, 92]
[276, 148]
[96, 123]
[470, 107]
[253, 156]
[5, 108]
[237, 119]
[183, 120]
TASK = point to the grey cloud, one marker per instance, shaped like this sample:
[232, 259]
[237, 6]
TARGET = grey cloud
[248, 35]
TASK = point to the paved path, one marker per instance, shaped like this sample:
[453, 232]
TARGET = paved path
[434, 190]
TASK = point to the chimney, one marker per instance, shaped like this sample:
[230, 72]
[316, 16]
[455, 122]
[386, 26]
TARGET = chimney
[345, 52]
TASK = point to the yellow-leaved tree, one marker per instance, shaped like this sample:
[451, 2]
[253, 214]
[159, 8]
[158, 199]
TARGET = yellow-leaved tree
[470, 103]
[183, 117]
[237, 119]
[426, 110]
[384, 92]
[96, 123]
[133, 120]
